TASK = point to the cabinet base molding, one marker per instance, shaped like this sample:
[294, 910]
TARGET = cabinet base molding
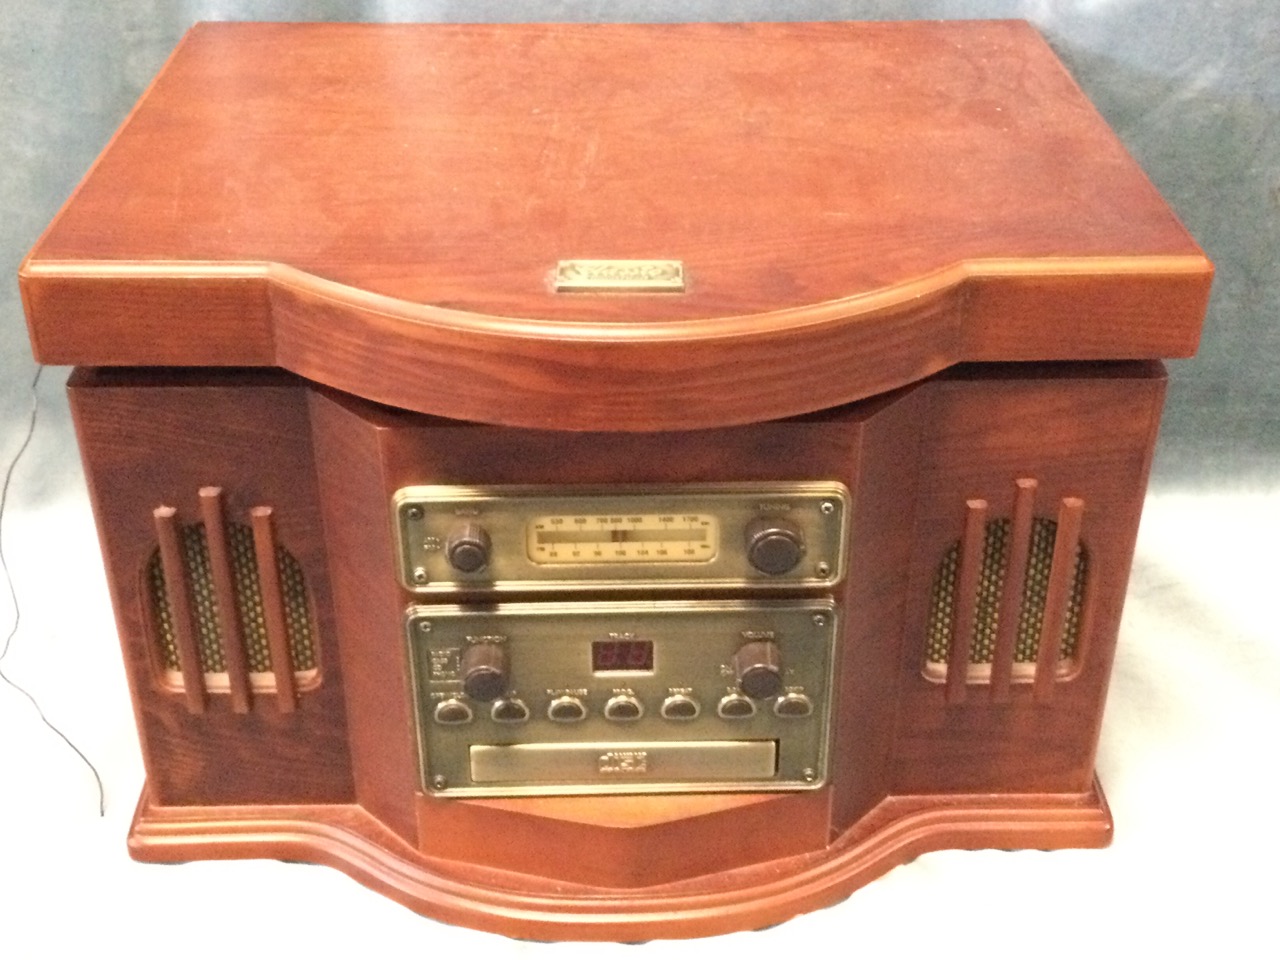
[346, 837]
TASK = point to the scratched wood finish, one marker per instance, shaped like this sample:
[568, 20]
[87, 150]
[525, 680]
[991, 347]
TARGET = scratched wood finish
[157, 438]
[976, 209]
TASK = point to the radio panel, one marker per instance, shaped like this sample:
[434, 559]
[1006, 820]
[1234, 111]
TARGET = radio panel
[763, 535]
[627, 697]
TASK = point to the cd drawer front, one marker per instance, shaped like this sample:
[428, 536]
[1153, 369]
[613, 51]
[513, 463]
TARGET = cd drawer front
[623, 697]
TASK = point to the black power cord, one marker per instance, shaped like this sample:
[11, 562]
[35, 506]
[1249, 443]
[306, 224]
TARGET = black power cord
[13, 593]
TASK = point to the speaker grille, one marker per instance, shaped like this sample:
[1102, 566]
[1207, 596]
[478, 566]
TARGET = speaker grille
[249, 604]
[995, 562]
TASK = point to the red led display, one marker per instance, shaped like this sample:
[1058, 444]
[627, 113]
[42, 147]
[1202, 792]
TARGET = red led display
[611, 655]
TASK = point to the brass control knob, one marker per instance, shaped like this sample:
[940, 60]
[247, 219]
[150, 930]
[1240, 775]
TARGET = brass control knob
[468, 547]
[758, 666]
[484, 671]
[774, 546]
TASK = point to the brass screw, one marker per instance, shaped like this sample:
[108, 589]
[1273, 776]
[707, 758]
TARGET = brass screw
[439, 782]
[414, 513]
[828, 507]
[808, 774]
[824, 569]
[819, 620]
[419, 575]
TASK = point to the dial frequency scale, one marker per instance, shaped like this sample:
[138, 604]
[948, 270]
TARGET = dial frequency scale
[615, 481]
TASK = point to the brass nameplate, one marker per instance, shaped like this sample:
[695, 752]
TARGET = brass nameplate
[646, 276]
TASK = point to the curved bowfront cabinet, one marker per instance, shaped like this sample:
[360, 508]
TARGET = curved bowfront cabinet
[839, 451]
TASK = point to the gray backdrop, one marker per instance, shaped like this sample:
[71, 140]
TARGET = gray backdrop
[1193, 88]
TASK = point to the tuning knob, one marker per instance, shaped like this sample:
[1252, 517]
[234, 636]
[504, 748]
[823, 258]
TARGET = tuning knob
[758, 666]
[484, 671]
[773, 546]
[468, 547]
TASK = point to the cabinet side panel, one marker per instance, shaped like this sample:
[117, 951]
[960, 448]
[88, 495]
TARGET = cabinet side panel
[879, 563]
[370, 609]
[155, 440]
[1084, 439]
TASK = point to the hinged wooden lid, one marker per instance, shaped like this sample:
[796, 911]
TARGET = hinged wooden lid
[385, 209]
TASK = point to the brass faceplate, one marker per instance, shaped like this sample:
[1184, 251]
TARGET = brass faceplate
[682, 537]
[464, 743]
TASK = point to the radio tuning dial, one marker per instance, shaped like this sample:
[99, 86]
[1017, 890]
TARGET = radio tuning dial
[484, 671]
[774, 546]
[468, 547]
[758, 666]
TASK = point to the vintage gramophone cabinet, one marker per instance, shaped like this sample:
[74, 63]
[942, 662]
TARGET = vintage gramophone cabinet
[613, 481]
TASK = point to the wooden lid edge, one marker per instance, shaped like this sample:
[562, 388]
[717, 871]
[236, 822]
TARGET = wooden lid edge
[645, 375]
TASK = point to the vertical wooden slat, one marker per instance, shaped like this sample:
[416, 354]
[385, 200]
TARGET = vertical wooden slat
[968, 577]
[224, 590]
[1015, 580]
[179, 592]
[1061, 576]
[264, 546]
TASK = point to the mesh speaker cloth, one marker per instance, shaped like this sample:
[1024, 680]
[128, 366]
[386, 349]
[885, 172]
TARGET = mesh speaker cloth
[995, 563]
[204, 603]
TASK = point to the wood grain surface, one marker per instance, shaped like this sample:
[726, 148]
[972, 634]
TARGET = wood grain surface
[518, 905]
[911, 768]
[379, 208]
[155, 439]
[926, 218]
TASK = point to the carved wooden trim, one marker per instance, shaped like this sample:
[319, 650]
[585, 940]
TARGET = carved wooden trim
[1024, 502]
[224, 588]
[264, 545]
[1061, 576]
[967, 580]
[347, 838]
[580, 375]
[179, 596]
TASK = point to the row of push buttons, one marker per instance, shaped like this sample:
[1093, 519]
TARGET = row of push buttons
[622, 708]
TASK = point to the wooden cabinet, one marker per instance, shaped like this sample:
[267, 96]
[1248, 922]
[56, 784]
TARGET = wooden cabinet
[318, 266]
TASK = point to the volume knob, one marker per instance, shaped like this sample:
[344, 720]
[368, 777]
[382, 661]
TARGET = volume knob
[773, 546]
[484, 671]
[758, 666]
[468, 547]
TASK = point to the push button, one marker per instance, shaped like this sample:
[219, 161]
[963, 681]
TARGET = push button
[510, 711]
[679, 707]
[452, 712]
[623, 707]
[735, 707]
[793, 705]
[566, 710]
